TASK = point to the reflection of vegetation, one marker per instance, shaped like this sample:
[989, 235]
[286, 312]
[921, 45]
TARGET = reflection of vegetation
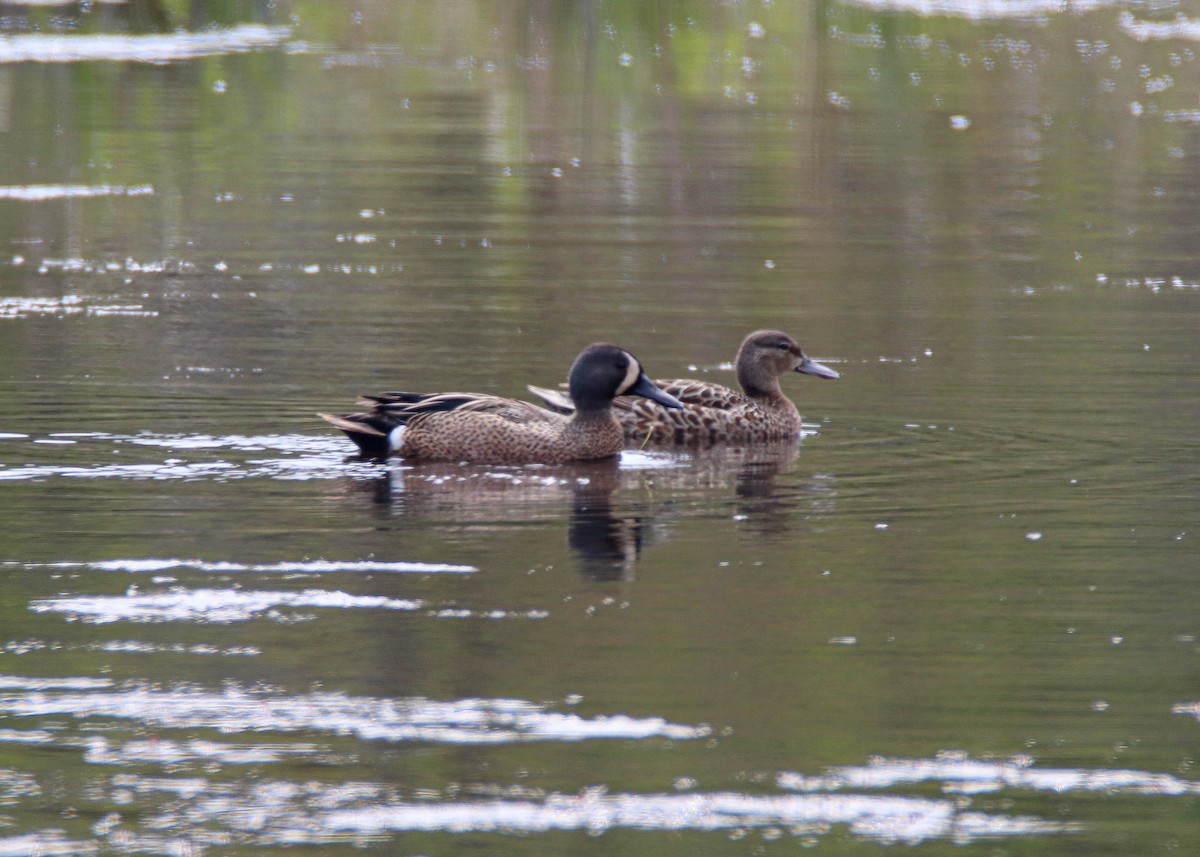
[140, 16]
[781, 94]
[621, 147]
[661, 153]
[131, 16]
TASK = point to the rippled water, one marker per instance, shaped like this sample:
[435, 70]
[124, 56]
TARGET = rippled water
[959, 614]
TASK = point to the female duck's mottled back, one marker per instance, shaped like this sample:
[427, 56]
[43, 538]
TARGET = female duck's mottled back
[488, 429]
[712, 412]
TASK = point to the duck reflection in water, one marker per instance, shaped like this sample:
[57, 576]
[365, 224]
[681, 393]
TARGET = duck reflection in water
[614, 508]
[769, 498]
[604, 543]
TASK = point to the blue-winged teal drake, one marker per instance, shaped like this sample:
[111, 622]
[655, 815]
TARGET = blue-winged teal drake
[485, 429]
[713, 413]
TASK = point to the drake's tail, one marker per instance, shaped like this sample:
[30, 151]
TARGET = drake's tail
[371, 433]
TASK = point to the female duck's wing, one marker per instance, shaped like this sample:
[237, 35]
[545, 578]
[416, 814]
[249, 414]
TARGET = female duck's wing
[704, 394]
[695, 394]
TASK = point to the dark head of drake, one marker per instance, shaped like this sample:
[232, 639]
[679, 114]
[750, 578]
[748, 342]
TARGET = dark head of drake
[604, 371]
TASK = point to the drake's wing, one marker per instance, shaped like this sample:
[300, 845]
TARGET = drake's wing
[416, 403]
[556, 400]
[513, 410]
[405, 406]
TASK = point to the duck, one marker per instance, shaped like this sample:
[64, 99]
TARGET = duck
[485, 429]
[714, 413]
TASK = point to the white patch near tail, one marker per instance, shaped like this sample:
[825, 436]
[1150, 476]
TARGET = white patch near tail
[396, 438]
[632, 373]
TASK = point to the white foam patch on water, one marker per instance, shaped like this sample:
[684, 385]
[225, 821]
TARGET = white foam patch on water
[463, 613]
[138, 647]
[165, 471]
[639, 459]
[39, 192]
[319, 566]
[303, 457]
[101, 751]
[306, 456]
[221, 606]
[235, 710]
[887, 819]
[13, 682]
[183, 811]
[47, 843]
[148, 48]
[128, 265]
[960, 774]
[19, 736]
[1192, 708]
[252, 443]
[1179, 28]
[988, 10]
[279, 812]
[27, 307]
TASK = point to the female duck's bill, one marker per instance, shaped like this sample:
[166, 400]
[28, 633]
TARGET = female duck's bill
[475, 427]
[811, 367]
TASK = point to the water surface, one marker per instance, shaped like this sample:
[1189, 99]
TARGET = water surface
[959, 613]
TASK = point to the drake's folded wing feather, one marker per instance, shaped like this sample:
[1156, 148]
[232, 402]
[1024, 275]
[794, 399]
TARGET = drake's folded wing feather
[419, 403]
[556, 400]
[355, 423]
[513, 410]
[405, 406]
